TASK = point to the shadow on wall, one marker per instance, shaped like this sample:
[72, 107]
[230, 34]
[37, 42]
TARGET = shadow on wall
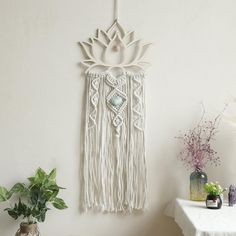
[156, 223]
[81, 138]
[225, 147]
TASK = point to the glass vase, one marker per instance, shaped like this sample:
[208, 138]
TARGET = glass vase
[198, 179]
[28, 229]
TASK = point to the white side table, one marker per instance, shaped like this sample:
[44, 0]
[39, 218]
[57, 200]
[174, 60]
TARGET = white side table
[196, 220]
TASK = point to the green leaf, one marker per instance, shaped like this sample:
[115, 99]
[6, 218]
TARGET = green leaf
[42, 215]
[60, 187]
[52, 175]
[39, 213]
[53, 187]
[4, 194]
[32, 180]
[59, 204]
[49, 195]
[34, 195]
[40, 175]
[12, 213]
[55, 193]
[21, 208]
[19, 188]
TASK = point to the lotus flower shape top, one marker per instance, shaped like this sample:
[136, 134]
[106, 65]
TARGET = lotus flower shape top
[114, 48]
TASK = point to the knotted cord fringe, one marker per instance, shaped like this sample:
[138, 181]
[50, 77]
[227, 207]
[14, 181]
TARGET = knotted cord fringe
[114, 168]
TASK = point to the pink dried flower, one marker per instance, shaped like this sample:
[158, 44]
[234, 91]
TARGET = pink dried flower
[197, 151]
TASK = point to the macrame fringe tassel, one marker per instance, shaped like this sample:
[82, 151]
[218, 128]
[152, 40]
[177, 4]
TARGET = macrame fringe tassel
[114, 168]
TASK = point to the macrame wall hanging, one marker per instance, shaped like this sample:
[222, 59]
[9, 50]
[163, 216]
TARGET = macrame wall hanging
[114, 168]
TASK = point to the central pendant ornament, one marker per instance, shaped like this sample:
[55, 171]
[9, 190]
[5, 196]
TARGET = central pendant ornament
[117, 101]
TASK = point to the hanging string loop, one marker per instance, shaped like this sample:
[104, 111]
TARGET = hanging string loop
[116, 10]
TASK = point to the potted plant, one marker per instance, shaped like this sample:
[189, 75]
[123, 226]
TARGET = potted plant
[214, 191]
[31, 200]
[197, 153]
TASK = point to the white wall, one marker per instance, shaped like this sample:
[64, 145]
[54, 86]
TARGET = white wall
[193, 60]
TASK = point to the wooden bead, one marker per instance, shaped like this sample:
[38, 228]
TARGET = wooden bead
[116, 48]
